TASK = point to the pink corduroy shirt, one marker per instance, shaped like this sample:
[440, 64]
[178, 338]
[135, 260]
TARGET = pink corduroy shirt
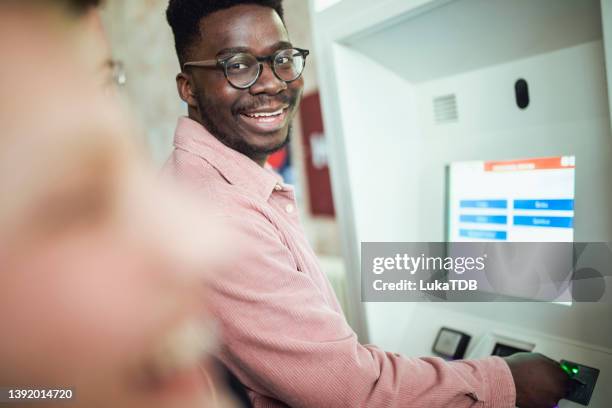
[284, 334]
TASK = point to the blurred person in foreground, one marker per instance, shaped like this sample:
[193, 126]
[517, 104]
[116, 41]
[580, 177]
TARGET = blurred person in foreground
[285, 336]
[100, 290]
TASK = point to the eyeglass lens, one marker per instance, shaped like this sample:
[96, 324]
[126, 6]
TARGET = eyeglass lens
[242, 70]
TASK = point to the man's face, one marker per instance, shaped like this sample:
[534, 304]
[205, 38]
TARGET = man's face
[227, 112]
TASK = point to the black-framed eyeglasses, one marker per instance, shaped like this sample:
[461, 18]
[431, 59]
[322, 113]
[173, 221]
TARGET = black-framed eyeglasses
[242, 70]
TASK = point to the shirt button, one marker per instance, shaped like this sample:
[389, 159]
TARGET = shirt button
[289, 208]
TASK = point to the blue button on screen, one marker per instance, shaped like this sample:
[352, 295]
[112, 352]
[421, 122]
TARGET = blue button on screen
[561, 205]
[484, 219]
[483, 204]
[546, 222]
[483, 234]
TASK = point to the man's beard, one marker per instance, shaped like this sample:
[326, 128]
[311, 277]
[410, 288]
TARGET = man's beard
[237, 143]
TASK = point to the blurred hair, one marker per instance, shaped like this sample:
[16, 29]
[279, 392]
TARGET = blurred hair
[75, 7]
[184, 16]
[81, 6]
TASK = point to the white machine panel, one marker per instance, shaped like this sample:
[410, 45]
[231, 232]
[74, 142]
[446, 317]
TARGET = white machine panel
[430, 141]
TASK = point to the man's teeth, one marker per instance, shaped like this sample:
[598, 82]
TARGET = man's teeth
[264, 114]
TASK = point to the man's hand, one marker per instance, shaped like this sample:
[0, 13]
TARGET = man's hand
[540, 382]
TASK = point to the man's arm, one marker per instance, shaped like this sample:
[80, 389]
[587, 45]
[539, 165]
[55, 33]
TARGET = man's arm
[283, 340]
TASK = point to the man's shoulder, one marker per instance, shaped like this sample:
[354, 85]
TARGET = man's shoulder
[194, 172]
[183, 165]
[198, 175]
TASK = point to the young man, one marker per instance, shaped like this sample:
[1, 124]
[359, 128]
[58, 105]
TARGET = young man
[285, 336]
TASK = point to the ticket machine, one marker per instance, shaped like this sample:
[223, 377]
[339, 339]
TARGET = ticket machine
[445, 120]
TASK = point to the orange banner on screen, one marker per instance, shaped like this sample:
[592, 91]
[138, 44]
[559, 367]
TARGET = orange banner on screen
[544, 163]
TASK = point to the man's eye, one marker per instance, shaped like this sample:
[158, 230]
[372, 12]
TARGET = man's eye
[238, 66]
[283, 60]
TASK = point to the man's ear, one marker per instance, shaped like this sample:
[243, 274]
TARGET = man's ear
[185, 90]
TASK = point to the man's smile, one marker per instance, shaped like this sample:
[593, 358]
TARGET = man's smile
[265, 119]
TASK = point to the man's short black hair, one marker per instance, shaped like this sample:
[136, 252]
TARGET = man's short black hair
[184, 17]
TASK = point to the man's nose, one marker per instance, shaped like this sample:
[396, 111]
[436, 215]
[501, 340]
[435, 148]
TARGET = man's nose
[268, 83]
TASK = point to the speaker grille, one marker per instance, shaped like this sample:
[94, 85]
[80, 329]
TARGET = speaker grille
[445, 109]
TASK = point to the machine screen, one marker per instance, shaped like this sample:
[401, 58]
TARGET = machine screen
[528, 200]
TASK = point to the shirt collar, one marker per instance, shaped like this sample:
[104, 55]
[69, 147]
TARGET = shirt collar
[233, 166]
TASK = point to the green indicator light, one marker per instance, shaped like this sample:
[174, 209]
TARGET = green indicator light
[570, 371]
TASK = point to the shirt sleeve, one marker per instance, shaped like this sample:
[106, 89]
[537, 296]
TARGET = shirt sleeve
[283, 341]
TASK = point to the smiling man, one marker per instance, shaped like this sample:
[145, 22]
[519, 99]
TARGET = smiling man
[285, 336]
[243, 86]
